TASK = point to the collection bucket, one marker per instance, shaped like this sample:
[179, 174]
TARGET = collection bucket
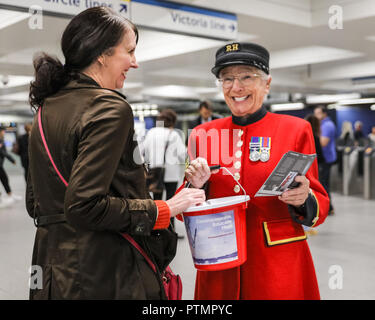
[216, 231]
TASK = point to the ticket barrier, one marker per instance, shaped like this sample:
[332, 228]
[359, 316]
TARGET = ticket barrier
[352, 181]
[369, 174]
[336, 180]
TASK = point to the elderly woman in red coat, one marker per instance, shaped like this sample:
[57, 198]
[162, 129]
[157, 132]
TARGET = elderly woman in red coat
[279, 264]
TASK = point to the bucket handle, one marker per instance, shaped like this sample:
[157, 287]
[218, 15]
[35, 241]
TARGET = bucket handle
[220, 167]
[235, 180]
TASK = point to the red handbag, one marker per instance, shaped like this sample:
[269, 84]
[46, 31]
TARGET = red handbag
[171, 282]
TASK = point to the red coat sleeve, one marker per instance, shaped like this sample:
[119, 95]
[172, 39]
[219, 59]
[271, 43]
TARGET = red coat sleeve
[305, 144]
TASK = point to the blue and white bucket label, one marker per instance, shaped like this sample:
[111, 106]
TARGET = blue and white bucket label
[212, 238]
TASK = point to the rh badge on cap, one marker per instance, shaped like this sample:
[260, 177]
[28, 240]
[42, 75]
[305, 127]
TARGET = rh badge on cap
[232, 47]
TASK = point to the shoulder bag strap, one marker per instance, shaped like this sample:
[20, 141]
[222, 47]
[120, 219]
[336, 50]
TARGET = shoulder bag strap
[141, 251]
[46, 147]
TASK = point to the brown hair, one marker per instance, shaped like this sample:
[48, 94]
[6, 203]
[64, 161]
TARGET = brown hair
[205, 104]
[88, 35]
[315, 124]
[169, 117]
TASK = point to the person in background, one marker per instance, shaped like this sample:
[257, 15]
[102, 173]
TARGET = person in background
[371, 136]
[23, 149]
[155, 141]
[99, 190]
[10, 198]
[166, 138]
[205, 114]
[327, 141]
[346, 139]
[347, 136]
[315, 126]
[359, 137]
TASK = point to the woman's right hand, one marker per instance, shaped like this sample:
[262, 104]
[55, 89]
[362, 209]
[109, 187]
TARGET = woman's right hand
[186, 198]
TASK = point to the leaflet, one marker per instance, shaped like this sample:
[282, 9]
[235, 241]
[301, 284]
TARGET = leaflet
[282, 177]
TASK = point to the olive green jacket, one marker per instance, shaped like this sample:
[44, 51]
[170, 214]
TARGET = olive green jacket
[90, 134]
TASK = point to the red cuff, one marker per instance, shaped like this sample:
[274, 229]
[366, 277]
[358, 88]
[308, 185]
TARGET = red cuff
[164, 213]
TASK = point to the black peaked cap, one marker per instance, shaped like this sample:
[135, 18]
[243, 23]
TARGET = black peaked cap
[244, 53]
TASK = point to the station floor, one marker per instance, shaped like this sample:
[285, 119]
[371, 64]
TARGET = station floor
[344, 245]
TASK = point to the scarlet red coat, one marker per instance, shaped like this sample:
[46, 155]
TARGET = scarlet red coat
[279, 264]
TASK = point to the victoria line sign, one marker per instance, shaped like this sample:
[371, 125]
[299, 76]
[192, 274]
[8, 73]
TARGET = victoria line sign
[151, 14]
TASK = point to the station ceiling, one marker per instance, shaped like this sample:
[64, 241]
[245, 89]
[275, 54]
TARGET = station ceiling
[312, 52]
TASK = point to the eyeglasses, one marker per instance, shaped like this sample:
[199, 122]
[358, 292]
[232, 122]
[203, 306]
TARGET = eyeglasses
[245, 79]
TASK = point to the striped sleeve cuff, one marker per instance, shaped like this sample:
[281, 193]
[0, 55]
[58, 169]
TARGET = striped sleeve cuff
[163, 219]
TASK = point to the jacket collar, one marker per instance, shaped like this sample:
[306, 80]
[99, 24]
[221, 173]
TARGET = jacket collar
[81, 80]
[251, 118]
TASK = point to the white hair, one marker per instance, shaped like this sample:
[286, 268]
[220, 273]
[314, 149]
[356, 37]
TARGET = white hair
[346, 128]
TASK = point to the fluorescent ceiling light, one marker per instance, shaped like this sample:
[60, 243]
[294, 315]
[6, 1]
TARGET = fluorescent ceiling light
[338, 107]
[287, 106]
[8, 17]
[157, 45]
[357, 101]
[309, 55]
[327, 98]
[171, 91]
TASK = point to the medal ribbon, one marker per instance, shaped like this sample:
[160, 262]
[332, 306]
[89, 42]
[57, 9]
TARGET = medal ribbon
[266, 145]
[255, 143]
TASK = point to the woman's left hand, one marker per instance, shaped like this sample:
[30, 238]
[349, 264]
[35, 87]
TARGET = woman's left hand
[297, 196]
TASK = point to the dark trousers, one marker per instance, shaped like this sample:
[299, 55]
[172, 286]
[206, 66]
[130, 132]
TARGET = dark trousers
[4, 180]
[25, 165]
[170, 188]
[324, 177]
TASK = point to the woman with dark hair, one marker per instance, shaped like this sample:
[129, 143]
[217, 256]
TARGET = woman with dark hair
[86, 182]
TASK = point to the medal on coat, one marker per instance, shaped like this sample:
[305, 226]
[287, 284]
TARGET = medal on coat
[254, 146]
[260, 149]
[265, 149]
